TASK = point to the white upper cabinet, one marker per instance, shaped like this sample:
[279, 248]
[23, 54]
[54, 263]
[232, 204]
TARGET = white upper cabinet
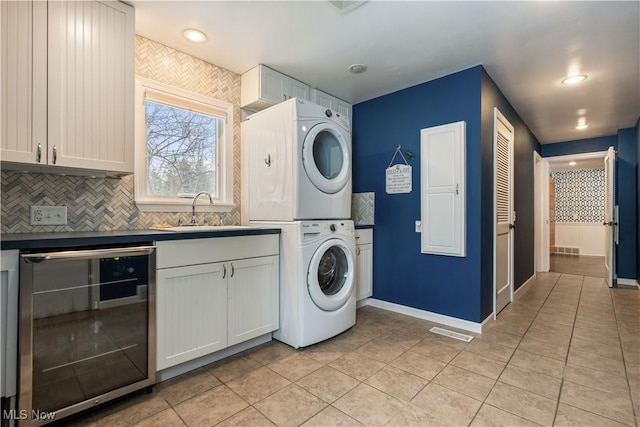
[331, 102]
[442, 187]
[69, 70]
[262, 87]
[23, 65]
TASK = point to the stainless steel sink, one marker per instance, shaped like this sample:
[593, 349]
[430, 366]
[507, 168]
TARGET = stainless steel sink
[194, 228]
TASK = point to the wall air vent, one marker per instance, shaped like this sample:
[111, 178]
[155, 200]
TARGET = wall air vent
[345, 6]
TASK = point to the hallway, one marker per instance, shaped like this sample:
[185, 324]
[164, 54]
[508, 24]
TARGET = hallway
[565, 353]
[581, 265]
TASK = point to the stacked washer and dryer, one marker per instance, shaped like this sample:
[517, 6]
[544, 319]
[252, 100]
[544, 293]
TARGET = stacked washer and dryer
[300, 181]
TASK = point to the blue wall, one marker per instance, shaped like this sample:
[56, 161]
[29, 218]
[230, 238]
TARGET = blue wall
[626, 193]
[523, 177]
[589, 145]
[458, 287]
[440, 284]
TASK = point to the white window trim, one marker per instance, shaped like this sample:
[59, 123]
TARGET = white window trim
[145, 203]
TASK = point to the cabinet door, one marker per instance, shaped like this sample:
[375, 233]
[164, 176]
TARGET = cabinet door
[253, 293]
[23, 65]
[321, 98]
[9, 266]
[341, 107]
[442, 189]
[191, 312]
[364, 271]
[272, 85]
[91, 85]
[296, 89]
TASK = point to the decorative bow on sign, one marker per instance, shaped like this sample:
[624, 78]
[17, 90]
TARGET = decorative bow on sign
[398, 176]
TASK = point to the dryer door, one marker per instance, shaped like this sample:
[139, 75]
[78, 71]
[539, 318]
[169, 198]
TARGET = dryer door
[330, 275]
[326, 157]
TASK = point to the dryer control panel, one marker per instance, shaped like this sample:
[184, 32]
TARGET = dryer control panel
[307, 110]
[312, 229]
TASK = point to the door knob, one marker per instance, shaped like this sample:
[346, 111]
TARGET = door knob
[512, 226]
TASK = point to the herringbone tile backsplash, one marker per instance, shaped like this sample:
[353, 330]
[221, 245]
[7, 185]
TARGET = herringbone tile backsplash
[105, 203]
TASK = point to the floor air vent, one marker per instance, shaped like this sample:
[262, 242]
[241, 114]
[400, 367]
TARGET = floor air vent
[451, 334]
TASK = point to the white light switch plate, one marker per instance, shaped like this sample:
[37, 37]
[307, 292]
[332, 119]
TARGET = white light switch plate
[418, 227]
[48, 215]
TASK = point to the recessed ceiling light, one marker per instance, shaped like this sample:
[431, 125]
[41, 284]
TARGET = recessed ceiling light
[572, 163]
[582, 123]
[571, 80]
[194, 35]
[357, 68]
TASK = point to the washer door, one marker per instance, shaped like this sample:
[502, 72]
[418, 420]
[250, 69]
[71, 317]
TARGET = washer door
[326, 157]
[330, 275]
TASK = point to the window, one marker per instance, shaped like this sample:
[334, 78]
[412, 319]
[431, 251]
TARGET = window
[184, 145]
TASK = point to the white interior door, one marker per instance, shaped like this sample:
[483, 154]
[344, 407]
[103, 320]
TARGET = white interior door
[610, 220]
[503, 137]
[541, 227]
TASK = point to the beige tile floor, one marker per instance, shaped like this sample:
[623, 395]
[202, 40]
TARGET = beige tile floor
[565, 353]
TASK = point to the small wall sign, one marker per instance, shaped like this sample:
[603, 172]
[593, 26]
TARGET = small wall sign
[398, 179]
[398, 176]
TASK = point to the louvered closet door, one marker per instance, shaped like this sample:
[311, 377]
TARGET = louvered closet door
[609, 216]
[503, 255]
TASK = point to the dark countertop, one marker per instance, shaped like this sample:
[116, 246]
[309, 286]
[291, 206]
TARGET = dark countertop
[363, 227]
[122, 237]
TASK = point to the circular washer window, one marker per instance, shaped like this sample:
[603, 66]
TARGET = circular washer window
[330, 275]
[326, 158]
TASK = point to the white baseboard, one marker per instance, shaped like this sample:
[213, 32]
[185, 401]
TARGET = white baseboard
[454, 322]
[488, 321]
[525, 285]
[628, 282]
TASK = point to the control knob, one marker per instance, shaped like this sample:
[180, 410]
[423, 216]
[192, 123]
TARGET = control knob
[332, 227]
[329, 113]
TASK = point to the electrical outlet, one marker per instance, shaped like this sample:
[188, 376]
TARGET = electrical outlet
[48, 215]
[418, 227]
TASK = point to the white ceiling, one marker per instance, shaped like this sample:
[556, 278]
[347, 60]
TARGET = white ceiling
[563, 165]
[526, 47]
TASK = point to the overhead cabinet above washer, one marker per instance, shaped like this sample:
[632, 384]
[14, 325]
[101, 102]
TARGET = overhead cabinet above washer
[262, 87]
[339, 106]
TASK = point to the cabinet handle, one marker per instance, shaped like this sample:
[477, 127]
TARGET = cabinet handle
[233, 270]
[39, 153]
[55, 154]
[358, 251]
[457, 186]
[267, 161]
[224, 271]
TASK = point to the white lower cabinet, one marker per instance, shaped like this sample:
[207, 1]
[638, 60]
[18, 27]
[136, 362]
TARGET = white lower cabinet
[191, 313]
[204, 308]
[253, 300]
[9, 283]
[364, 263]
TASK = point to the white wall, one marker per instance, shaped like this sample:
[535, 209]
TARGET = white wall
[588, 237]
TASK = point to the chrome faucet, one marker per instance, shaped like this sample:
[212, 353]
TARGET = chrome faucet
[194, 221]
